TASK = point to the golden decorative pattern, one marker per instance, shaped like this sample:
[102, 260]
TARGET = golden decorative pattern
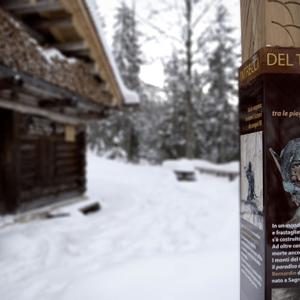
[269, 23]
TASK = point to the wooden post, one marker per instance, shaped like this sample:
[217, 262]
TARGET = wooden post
[9, 161]
[269, 94]
[269, 23]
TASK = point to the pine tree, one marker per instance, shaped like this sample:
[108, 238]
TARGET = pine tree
[190, 123]
[186, 104]
[126, 48]
[200, 118]
[188, 94]
[221, 125]
[174, 126]
[119, 133]
[152, 112]
[127, 53]
[172, 129]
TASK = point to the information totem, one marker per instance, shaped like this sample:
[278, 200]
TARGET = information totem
[270, 174]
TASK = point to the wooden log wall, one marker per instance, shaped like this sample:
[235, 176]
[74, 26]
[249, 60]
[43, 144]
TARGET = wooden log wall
[50, 167]
[269, 23]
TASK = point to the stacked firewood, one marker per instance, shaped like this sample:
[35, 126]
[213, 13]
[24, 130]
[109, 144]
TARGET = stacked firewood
[19, 51]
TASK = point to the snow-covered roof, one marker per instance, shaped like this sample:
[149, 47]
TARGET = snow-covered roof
[130, 97]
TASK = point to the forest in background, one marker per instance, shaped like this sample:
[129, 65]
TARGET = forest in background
[195, 115]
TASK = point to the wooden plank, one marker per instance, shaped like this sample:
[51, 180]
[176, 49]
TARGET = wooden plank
[33, 33]
[66, 155]
[57, 117]
[68, 188]
[72, 47]
[231, 175]
[28, 155]
[185, 175]
[65, 147]
[91, 208]
[50, 167]
[70, 134]
[28, 175]
[61, 22]
[5, 157]
[60, 165]
[27, 147]
[28, 7]
[16, 164]
[27, 167]
[40, 201]
[9, 81]
[71, 179]
[269, 23]
[52, 103]
[68, 171]
[38, 84]
[40, 92]
[86, 28]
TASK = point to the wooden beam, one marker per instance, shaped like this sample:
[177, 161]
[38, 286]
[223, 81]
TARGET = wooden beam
[62, 22]
[85, 26]
[39, 92]
[71, 47]
[8, 82]
[25, 94]
[269, 23]
[90, 117]
[33, 33]
[81, 54]
[35, 85]
[25, 109]
[29, 7]
[106, 97]
[52, 103]
[18, 86]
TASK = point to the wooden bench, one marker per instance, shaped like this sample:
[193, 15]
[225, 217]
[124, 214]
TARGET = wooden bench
[231, 175]
[185, 175]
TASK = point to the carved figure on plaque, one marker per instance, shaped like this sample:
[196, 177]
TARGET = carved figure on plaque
[288, 164]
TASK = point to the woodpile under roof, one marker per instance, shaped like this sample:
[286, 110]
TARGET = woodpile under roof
[21, 52]
[72, 27]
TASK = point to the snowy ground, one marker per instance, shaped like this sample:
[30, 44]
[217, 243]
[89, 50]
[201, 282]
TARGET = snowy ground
[155, 238]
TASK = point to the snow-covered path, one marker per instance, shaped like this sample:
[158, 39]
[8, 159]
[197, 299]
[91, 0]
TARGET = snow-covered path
[155, 238]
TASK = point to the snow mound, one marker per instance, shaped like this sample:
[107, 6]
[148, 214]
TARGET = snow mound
[228, 167]
[180, 165]
[191, 165]
[155, 238]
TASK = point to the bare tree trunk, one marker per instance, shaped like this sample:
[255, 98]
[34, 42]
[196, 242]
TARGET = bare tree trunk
[189, 151]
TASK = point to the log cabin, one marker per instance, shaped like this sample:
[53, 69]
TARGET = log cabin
[56, 74]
